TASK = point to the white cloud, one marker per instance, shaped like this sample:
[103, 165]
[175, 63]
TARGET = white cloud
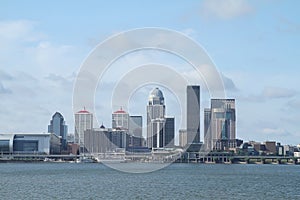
[293, 105]
[4, 90]
[277, 92]
[225, 9]
[275, 131]
[194, 78]
[34, 77]
[271, 93]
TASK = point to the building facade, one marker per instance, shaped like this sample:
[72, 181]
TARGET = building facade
[136, 130]
[169, 132]
[220, 124]
[155, 114]
[83, 122]
[193, 114]
[58, 127]
[207, 135]
[30, 143]
[182, 137]
[120, 120]
[102, 140]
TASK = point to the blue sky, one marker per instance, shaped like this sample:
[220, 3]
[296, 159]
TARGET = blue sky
[254, 44]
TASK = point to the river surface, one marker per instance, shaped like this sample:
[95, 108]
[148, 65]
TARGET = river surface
[177, 181]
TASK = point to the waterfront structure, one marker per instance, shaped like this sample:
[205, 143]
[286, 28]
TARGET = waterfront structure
[220, 125]
[193, 114]
[155, 114]
[29, 143]
[136, 130]
[83, 122]
[120, 120]
[58, 127]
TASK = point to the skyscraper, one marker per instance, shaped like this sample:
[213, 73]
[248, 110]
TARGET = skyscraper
[220, 124]
[136, 130]
[158, 132]
[163, 132]
[136, 125]
[120, 120]
[207, 135]
[193, 114]
[83, 122]
[58, 127]
[155, 114]
[169, 132]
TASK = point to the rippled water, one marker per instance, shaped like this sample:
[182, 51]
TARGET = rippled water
[178, 181]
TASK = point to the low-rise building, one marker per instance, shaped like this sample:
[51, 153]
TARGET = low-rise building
[30, 143]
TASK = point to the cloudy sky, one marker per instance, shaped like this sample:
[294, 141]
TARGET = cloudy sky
[254, 45]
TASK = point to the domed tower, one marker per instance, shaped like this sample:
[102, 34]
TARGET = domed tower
[155, 112]
[156, 97]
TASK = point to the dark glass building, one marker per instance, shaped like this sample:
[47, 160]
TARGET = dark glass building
[58, 127]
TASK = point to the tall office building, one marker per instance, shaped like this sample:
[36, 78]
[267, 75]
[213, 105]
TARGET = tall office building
[58, 127]
[135, 131]
[136, 125]
[158, 133]
[193, 114]
[83, 122]
[220, 124]
[169, 132]
[207, 136]
[155, 114]
[120, 120]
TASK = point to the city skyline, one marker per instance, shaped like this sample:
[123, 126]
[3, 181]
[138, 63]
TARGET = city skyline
[43, 46]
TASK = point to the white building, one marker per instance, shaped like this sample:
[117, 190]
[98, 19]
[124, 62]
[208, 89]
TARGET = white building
[120, 120]
[83, 122]
[155, 114]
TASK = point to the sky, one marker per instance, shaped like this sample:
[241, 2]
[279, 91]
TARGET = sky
[254, 45]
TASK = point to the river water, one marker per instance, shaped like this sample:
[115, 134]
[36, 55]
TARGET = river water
[177, 181]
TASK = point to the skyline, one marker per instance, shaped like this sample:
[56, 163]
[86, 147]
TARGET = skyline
[253, 44]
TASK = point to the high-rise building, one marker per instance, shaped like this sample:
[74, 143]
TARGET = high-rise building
[155, 114]
[120, 120]
[83, 122]
[220, 124]
[102, 140]
[207, 136]
[193, 114]
[136, 130]
[169, 132]
[136, 125]
[58, 127]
